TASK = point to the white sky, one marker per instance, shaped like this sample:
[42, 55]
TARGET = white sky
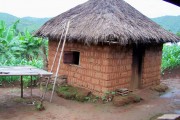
[51, 8]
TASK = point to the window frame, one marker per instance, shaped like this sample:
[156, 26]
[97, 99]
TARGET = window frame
[72, 51]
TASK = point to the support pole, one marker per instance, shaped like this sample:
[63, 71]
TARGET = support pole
[21, 86]
[59, 62]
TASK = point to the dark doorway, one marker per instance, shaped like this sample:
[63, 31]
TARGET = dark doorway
[138, 55]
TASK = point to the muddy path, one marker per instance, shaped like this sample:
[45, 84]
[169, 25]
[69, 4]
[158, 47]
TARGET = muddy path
[60, 109]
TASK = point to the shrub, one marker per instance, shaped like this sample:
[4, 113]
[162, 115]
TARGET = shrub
[19, 49]
[170, 56]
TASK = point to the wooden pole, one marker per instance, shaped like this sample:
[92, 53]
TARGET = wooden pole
[21, 86]
[31, 86]
[59, 62]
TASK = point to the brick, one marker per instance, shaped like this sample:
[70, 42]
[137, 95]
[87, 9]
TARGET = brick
[90, 86]
[77, 75]
[105, 62]
[98, 88]
[84, 84]
[107, 83]
[128, 67]
[98, 75]
[104, 89]
[105, 76]
[124, 74]
[97, 68]
[88, 79]
[95, 81]
[129, 73]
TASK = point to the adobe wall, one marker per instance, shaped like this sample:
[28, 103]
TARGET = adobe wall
[101, 69]
[107, 67]
[151, 67]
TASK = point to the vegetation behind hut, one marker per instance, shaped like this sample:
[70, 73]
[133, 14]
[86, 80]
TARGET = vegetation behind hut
[19, 48]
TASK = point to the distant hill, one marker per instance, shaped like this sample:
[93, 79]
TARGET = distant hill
[29, 23]
[171, 23]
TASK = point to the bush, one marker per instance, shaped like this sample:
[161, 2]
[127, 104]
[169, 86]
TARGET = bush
[39, 106]
[19, 49]
[170, 56]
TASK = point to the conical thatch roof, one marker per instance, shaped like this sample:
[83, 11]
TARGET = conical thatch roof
[106, 21]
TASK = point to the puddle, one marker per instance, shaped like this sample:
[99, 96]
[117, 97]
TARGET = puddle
[171, 94]
[177, 102]
[177, 111]
[168, 95]
[174, 94]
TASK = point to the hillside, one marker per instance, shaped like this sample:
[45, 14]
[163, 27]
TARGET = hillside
[29, 23]
[171, 23]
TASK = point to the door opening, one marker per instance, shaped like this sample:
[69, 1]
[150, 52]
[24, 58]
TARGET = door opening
[138, 55]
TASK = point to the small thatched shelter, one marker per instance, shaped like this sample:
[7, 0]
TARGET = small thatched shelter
[110, 45]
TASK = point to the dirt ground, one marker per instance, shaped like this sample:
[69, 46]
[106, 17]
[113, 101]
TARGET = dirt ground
[12, 108]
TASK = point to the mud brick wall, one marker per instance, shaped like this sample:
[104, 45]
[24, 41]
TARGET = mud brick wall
[120, 68]
[102, 68]
[151, 67]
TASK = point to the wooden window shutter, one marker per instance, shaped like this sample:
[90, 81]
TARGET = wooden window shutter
[68, 57]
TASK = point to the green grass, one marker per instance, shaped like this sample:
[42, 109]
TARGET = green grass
[67, 92]
[73, 93]
[170, 57]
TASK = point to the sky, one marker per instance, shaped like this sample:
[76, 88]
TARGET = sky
[51, 8]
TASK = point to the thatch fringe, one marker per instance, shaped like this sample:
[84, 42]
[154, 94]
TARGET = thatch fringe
[106, 21]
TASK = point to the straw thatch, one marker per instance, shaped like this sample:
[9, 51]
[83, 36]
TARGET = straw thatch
[106, 21]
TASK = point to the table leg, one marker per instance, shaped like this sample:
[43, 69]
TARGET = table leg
[31, 86]
[21, 86]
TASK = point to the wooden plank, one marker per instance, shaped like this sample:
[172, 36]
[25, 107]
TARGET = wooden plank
[23, 70]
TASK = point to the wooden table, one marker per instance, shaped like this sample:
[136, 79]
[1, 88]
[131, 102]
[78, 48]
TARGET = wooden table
[23, 71]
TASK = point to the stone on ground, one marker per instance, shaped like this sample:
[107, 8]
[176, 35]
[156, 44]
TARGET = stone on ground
[169, 117]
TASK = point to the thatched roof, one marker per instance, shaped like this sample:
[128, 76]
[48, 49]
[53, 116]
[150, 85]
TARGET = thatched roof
[175, 2]
[106, 21]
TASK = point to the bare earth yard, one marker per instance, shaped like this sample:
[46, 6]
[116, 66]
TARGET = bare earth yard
[61, 109]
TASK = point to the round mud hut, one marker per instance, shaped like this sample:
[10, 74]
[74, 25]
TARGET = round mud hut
[110, 45]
